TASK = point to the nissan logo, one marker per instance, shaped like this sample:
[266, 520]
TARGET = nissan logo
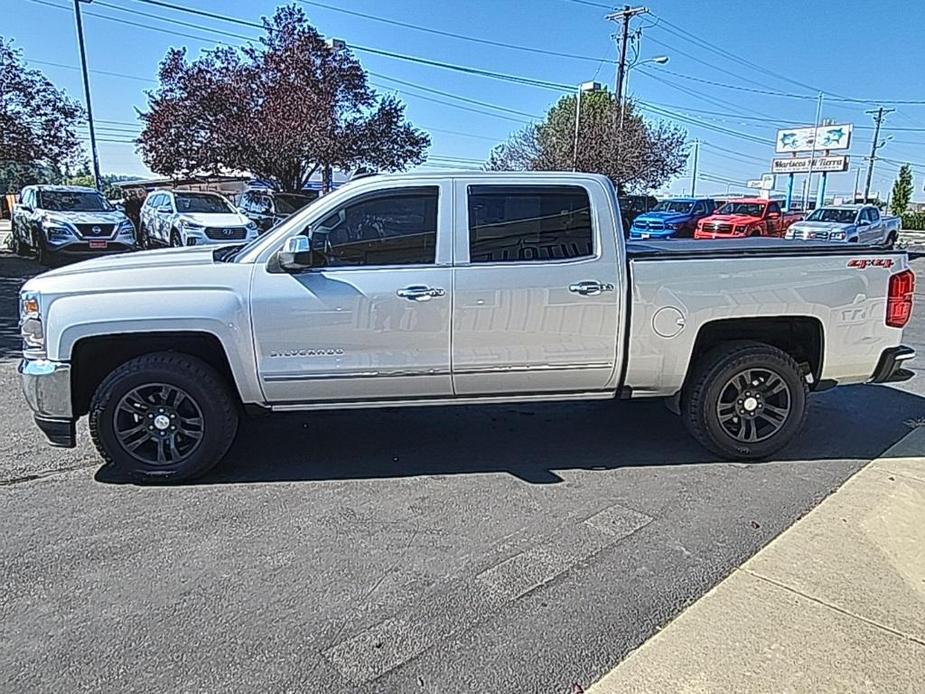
[96, 231]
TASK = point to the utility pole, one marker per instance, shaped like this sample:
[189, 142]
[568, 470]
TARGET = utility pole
[812, 156]
[857, 183]
[874, 146]
[83, 66]
[624, 15]
[694, 174]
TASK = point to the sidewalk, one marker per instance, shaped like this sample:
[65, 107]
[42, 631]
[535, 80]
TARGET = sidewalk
[834, 604]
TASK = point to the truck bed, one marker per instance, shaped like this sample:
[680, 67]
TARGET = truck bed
[675, 249]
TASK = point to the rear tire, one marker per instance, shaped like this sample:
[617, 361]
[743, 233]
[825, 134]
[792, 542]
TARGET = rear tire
[745, 401]
[891, 240]
[163, 417]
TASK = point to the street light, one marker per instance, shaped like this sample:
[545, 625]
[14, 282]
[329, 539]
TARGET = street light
[657, 60]
[582, 88]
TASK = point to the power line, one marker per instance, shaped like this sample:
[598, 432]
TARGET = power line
[590, 4]
[204, 13]
[454, 35]
[452, 96]
[172, 20]
[127, 22]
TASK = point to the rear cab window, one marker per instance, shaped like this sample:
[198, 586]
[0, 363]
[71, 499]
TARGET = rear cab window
[528, 223]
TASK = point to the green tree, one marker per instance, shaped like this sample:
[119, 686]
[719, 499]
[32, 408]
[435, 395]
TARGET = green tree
[635, 154]
[902, 190]
[106, 182]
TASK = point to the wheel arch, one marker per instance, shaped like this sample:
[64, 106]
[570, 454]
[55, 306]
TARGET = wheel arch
[95, 357]
[802, 337]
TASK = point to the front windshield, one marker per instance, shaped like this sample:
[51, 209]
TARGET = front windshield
[73, 201]
[202, 202]
[289, 203]
[752, 209]
[673, 206]
[832, 214]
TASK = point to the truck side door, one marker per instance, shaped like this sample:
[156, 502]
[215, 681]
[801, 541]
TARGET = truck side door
[873, 232]
[372, 320]
[774, 222]
[537, 298]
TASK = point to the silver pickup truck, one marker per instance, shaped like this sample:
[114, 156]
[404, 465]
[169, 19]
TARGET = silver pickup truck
[443, 289]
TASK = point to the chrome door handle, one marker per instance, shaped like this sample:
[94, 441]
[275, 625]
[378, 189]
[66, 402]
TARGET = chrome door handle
[590, 288]
[420, 293]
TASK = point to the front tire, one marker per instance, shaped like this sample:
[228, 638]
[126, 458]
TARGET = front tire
[163, 417]
[175, 240]
[746, 401]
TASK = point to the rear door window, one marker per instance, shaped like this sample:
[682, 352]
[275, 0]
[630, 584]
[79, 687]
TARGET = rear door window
[515, 224]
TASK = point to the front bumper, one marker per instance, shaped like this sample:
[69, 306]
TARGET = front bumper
[47, 387]
[82, 249]
[890, 367]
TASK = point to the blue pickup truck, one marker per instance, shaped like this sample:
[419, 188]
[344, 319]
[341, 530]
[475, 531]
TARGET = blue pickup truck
[672, 218]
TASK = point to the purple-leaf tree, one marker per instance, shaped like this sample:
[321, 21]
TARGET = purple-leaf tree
[282, 109]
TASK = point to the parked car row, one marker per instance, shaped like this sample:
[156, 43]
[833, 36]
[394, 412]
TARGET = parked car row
[705, 218]
[55, 222]
[59, 222]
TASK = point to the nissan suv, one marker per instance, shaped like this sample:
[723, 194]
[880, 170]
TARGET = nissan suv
[177, 218]
[58, 222]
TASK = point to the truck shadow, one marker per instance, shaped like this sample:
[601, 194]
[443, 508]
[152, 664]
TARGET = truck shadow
[14, 272]
[532, 442]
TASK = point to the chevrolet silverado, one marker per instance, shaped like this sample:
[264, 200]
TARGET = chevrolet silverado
[443, 289]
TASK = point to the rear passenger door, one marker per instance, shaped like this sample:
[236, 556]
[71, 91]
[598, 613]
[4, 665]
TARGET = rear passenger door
[872, 233]
[535, 307]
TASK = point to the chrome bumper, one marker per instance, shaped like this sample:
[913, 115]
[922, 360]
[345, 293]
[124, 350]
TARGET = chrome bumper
[47, 387]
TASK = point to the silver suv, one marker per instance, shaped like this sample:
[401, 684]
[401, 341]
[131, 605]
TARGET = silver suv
[175, 218]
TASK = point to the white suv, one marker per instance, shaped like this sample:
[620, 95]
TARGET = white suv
[175, 218]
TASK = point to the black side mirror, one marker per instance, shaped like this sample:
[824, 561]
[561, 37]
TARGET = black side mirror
[296, 254]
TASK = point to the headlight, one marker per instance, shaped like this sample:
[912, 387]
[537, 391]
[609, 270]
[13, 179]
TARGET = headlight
[192, 226]
[251, 226]
[673, 227]
[30, 320]
[740, 230]
[126, 228]
[837, 236]
[56, 231]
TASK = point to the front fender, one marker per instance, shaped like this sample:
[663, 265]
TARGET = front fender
[217, 311]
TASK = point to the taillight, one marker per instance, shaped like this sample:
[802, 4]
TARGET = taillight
[899, 299]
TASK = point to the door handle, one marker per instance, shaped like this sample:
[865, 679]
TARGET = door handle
[590, 288]
[420, 293]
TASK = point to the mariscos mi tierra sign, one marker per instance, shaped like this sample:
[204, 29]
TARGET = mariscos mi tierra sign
[802, 164]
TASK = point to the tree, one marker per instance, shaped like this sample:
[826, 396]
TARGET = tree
[902, 190]
[107, 181]
[638, 156]
[281, 109]
[37, 122]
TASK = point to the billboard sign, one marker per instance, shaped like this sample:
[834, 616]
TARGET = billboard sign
[806, 139]
[799, 165]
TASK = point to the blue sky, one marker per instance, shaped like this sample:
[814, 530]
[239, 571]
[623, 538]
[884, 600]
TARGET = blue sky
[849, 49]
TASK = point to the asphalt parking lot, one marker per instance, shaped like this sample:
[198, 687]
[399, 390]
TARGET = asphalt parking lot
[506, 548]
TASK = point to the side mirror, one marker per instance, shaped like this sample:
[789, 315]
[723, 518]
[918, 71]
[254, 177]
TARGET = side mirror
[296, 254]
[773, 215]
[120, 206]
[25, 208]
[864, 223]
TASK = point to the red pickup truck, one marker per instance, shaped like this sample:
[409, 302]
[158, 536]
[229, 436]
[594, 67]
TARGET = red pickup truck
[746, 217]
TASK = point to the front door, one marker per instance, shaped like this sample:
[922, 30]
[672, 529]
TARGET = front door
[536, 301]
[372, 321]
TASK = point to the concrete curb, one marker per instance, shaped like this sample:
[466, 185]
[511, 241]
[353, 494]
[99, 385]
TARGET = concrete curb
[835, 603]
